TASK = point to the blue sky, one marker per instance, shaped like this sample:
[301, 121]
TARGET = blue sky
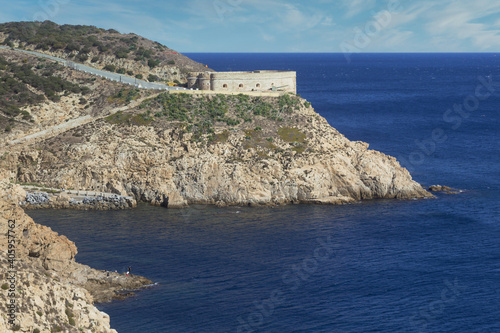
[284, 25]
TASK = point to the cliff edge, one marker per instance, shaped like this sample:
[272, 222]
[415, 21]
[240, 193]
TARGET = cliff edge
[71, 130]
[42, 288]
[177, 149]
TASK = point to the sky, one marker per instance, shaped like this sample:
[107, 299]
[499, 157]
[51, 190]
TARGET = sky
[346, 26]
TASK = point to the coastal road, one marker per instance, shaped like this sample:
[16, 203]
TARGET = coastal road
[98, 72]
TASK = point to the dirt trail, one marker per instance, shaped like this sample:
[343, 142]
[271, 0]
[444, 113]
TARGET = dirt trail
[73, 123]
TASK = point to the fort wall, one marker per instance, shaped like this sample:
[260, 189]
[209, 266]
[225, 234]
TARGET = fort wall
[259, 81]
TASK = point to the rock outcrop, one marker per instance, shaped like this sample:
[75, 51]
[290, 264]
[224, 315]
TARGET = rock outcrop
[445, 189]
[241, 166]
[43, 289]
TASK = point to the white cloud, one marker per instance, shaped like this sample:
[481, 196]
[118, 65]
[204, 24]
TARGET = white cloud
[267, 37]
[459, 21]
[328, 22]
[355, 7]
[291, 18]
[394, 39]
[406, 15]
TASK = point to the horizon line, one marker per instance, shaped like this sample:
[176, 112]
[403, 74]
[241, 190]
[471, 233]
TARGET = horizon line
[402, 52]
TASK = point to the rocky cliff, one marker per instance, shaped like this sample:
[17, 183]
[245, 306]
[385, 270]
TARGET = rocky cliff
[42, 288]
[291, 157]
[78, 132]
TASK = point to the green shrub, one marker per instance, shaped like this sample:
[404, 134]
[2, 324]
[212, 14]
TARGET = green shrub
[82, 57]
[122, 53]
[5, 286]
[290, 134]
[152, 63]
[109, 68]
[139, 76]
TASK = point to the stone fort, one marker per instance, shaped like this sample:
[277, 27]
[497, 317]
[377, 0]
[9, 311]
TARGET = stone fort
[244, 81]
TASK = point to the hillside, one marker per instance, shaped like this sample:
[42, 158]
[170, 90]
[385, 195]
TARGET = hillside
[127, 54]
[36, 93]
[178, 149]
[69, 129]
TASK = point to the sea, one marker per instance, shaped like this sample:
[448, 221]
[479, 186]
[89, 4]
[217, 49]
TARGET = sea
[374, 266]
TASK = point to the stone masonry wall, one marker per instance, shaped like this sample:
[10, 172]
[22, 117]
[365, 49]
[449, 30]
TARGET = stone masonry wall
[244, 81]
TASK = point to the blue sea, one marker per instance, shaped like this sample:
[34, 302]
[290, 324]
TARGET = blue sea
[376, 266]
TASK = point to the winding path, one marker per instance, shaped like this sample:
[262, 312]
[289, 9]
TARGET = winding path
[73, 123]
[98, 72]
[80, 121]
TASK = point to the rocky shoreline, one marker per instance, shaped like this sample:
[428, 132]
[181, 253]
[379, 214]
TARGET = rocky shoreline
[300, 159]
[43, 288]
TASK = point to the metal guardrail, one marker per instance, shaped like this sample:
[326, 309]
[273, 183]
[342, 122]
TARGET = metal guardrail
[101, 73]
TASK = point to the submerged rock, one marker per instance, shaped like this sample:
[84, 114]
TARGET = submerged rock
[446, 189]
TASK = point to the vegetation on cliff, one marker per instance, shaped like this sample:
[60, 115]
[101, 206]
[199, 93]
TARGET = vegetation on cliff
[201, 115]
[31, 82]
[175, 149]
[124, 53]
[32, 89]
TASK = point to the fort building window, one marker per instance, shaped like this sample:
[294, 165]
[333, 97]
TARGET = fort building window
[224, 85]
[241, 85]
[258, 85]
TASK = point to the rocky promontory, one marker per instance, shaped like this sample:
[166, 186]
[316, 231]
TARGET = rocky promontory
[276, 158]
[43, 289]
[79, 132]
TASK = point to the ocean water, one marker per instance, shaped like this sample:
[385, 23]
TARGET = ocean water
[377, 266]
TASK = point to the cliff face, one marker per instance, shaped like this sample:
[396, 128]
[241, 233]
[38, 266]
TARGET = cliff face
[176, 149]
[300, 159]
[42, 287]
